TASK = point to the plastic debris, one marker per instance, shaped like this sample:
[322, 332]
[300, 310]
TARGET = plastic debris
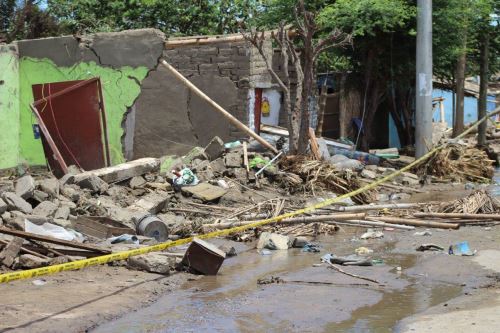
[370, 233]
[429, 247]
[423, 233]
[352, 260]
[461, 249]
[233, 144]
[125, 238]
[361, 251]
[52, 230]
[185, 177]
[309, 247]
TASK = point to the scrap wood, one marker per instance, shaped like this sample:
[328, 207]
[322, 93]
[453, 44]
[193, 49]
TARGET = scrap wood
[414, 222]
[314, 144]
[463, 216]
[459, 163]
[53, 240]
[49, 249]
[26, 250]
[477, 202]
[340, 270]
[364, 223]
[323, 175]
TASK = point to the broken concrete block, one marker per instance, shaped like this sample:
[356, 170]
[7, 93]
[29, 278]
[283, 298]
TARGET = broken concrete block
[152, 203]
[45, 209]
[272, 241]
[152, 262]
[122, 171]
[50, 186]
[203, 257]
[195, 153]
[365, 173]
[300, 242]
[230, 251]
[93, 183]
[204, 191]
[62, 212]
[217, 166]
[215, 148]
[25, 187]
[70, 192]
[15, 202]
[40, 196]
[30, 261]
[137, 181]
[205, 175]
[3, 206]
[323, 148]
[10, 252]
[233, 160]
[240, 174]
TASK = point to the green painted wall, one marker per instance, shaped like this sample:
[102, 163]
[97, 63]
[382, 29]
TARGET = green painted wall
[9, 108]
[120, 89]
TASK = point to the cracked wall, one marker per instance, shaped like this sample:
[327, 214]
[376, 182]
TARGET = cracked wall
[121, 60]
[9, 107]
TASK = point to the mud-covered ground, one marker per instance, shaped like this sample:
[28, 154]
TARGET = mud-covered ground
[432, 291]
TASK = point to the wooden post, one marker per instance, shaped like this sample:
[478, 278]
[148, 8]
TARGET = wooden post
[314, 144]
[219, 108]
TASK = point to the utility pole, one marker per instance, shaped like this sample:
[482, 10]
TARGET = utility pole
[423, 112]
[483, 88]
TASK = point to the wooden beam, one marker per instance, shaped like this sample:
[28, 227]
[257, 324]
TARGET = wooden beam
[314, 144]
[52, 240]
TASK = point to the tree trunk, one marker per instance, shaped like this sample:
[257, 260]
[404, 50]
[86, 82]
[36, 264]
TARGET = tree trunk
[460, 88]
[308, 92]
[483, 89]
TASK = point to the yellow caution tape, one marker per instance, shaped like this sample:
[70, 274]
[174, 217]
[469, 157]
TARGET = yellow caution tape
[79, 264]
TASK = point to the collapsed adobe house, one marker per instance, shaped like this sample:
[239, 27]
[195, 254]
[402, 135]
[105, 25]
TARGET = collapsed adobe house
[148, 111]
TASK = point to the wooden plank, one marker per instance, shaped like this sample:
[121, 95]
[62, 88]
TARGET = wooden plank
[10, 252]
[52, 240]
[100, 227]
[314, 144]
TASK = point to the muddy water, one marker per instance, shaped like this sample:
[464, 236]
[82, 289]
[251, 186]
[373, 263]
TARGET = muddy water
[233, 302]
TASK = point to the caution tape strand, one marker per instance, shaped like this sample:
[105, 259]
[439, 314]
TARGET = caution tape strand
[80, 264]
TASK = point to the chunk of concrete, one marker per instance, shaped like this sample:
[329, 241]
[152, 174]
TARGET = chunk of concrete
[195, 153]
[233, 160]
[217, 166]
[215, 148]
[10, 252]
[30, 261]
[137, 181]
[62, 212]
[323, 148]
[15, 202]
[70, 192]
[93, 183]
[204, 191]
[300, 242]
[272, 241]
[50, 186]
[122, 171]
[45, 209]
[3, 206]
[40, 196]
[152, 262]
[152, 203]
[365, 173]
[25, 187]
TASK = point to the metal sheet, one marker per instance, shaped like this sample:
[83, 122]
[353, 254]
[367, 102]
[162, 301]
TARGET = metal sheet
[73, 114]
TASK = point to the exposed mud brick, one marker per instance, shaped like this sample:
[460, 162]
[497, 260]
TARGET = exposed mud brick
[215, 148]
[15, 202]
[93, 183]
[45, 209]
[25, 187]
[50, 186]
[40, 196]
[233, 160]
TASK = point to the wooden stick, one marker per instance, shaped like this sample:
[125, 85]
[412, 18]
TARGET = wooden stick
[340, 270]
[362, 223]
[52, 240]
[414, 222]
[245, 156]
[218, 108]
[314, 144]
[464, 216]
[25, 250]
[51, 250]
[362, 208]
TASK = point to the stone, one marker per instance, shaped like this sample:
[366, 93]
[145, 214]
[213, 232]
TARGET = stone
[371, 167]
[45, 209]
[25, 187]
[233, 160]
[15, 202]
[368, 174]
[215, 148]
[204, 191]
[230, 251]
[137, 181]
[273, 241]
[70, 192]
[152, 203]
[218, 167]
[62, 212]
[40, 196]
[62, 223]
[300, 242]
[240, 174]
[93, 183]
[195, 153]
[205, 175]
[10, 251]
[3, 206]
[30, 261]
[152, 262]
[50, 186]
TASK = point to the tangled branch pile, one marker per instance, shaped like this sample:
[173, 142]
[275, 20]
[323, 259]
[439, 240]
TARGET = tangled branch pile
[459, 163]
[318, 175]
[479, 202]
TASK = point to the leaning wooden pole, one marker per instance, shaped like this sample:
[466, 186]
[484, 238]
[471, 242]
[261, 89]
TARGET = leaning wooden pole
[219, 108]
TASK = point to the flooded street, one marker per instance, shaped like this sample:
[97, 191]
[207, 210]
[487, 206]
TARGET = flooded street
[317, 299]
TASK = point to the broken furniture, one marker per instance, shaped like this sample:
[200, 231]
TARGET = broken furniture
[203, 257]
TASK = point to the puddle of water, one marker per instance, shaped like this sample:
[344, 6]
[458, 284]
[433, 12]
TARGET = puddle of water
[494, 188]
[233, 302]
